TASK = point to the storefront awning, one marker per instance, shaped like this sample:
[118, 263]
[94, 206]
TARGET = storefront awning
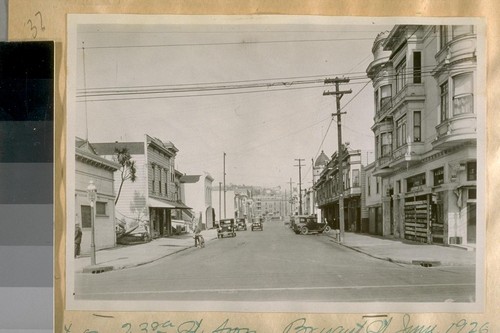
[164, 203]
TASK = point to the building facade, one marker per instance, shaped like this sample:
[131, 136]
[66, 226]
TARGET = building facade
[328, 190]
[91, 167]
[153, 196]
[197, 191]
[373, 202]
[425, 128]
[272, 204]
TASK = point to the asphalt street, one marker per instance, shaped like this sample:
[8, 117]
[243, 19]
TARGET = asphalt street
[277, 265]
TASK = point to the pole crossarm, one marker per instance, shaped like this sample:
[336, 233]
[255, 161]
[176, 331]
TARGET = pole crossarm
[337, 80]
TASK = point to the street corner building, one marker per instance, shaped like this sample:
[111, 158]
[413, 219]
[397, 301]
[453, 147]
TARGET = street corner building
[154, 197]
[422, 184]
[90, 166]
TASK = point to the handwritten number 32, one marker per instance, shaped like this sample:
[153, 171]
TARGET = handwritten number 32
[34, 26]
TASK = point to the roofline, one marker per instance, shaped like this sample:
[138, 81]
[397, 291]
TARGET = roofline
[96, 159]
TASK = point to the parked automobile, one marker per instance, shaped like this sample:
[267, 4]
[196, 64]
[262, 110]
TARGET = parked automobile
[303, 224]
[241, 224]
[257, 224]
[226, 228]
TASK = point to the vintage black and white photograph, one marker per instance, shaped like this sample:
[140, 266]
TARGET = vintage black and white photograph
[275, 163]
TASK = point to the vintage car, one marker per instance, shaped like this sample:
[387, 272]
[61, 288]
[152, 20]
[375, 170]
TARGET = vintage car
[241, 224]
[304, 225]
[226, 228]
[257, 223]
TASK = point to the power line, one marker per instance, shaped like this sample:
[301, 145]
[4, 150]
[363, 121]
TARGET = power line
[231, 43]
[269, 86]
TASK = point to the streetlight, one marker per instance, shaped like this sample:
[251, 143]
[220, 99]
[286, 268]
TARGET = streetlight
[91, 195]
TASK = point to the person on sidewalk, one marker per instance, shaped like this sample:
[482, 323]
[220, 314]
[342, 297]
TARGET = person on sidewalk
[78, 239]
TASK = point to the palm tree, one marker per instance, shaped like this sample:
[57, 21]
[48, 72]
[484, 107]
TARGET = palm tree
[127, 169]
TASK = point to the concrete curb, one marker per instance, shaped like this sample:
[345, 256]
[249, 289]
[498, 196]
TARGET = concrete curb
[148, 261]
[417, 262]
[405, 262]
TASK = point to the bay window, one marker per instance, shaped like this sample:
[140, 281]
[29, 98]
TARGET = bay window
[401, 131]
[417, 67]
[385, 96]
[462, 94]
[401, 75]
[443, 36]
[417, 126]
[444, 101]
[386, 144]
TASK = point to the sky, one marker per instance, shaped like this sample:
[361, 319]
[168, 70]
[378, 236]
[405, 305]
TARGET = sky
[250, 88]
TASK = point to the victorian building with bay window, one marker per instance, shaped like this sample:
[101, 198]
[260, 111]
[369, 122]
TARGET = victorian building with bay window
[425, 96]
[153, 198]
[328, 190]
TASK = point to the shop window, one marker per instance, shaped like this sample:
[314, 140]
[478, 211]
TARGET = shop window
[438, 176]
[417, 67]
[471, 171]
[417, 126]
[462, 94]
[415, 181]
[444, 101]
[100, 208]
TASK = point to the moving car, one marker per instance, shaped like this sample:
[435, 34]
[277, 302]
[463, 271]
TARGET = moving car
[257, 224]
[241, 224]
[305, 224]
[226, 228]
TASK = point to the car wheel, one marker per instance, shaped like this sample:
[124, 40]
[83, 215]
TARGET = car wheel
[327, 228]
[304, 230]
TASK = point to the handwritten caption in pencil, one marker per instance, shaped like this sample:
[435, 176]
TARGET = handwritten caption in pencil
[405, 324]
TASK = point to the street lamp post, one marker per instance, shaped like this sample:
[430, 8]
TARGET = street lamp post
[91, 195]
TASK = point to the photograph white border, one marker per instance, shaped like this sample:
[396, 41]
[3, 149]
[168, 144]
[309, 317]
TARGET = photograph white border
[74, 20]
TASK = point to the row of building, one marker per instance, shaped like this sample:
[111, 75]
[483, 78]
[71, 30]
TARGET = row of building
[160, 197]
[422, 184]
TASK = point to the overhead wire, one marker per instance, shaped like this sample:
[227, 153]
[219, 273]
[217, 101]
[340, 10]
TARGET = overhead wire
[206, 90]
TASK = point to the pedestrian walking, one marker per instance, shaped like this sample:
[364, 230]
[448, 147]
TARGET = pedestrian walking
[78, 239]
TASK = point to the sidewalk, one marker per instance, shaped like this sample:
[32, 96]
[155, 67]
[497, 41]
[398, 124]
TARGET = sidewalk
[127, 256]
[407, 252]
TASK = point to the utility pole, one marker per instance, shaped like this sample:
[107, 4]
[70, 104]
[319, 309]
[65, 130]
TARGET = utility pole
[300, 183]
[338, 95]
[224, 179]
[220, 194]
[313, 196]
[291, 197]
